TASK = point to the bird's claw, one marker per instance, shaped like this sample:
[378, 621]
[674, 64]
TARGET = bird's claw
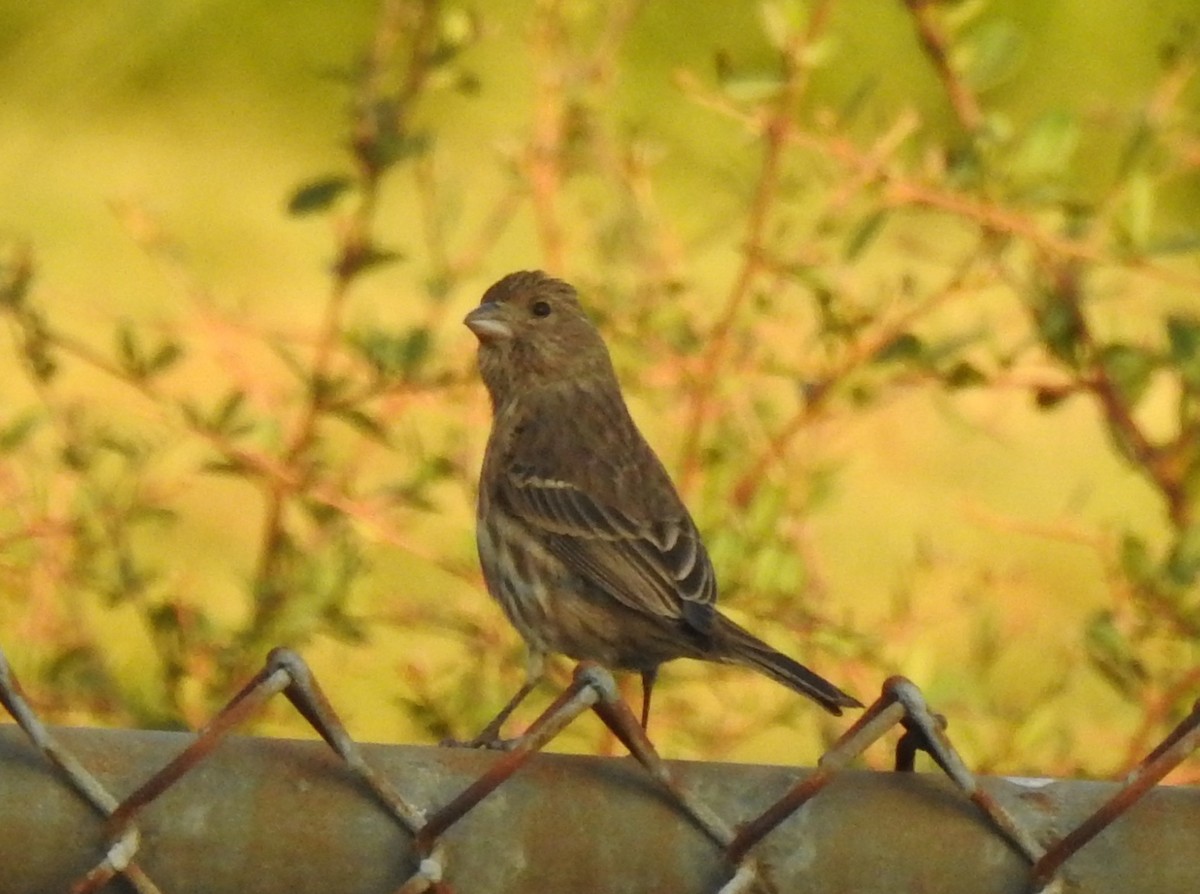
[482, 743]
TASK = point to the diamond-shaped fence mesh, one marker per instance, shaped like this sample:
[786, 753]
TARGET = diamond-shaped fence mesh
[171, 812]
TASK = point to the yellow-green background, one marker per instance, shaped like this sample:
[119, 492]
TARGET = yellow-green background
[147, 151]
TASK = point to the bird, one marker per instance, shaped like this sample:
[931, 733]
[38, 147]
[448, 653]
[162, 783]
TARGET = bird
[582, 537]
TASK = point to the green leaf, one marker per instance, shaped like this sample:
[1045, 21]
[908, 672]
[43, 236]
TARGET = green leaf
[37, 346]
[1136, 148]
[133, 358]
[751, 88]
[318, 195]
[148, 513]
[1112, 655]
[1183, 335]
[780, 20]
[819, 52]
[225, 416]
[1182, 242]
[322, 513]
[77, 456]
[1137, 218]
[414, 351]
[164, 358]
[231, 466]
[289, 359]
[129, 352]
[990, 55]
[1060, 327]
[1183, 564]
[858, 100]
[998, 128]
[118, 443]
[16, 276]
[904, 347]
[164, 619]
[861, 395]
[1047, 398]
[438, 286]
[355, 261]
[864, 234]
[362, 422]
[192, 415]
[1129, 368]
[1046, 150]
[1136, 562]
[396, 147]
[963, 375]
[468, 83]
[432, 469]
[326, 390]
[956, 16]
[375, 256]
[78, 669]
[18, 431]
[394, 356]
[344, 626]
[459, 26]
[1191, 475]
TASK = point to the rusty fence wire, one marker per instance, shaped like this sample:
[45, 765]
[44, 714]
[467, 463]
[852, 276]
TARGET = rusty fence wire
[259, 815]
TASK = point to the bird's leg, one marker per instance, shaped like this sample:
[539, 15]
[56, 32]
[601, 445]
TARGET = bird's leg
[489, 736]
[648, 678]
[119, 857]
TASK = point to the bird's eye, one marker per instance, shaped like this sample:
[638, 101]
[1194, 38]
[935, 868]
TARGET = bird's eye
[541, 309]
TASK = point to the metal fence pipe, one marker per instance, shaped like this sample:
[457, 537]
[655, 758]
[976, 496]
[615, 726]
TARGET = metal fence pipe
[272, 816]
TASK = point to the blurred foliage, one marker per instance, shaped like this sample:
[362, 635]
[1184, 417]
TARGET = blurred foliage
[814, 234]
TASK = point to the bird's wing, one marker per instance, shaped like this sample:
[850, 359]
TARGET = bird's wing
[658, 567]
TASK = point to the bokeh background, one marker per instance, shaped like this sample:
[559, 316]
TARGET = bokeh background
[907, 296]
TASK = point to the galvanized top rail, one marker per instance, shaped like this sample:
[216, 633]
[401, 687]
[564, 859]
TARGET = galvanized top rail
[175, 812]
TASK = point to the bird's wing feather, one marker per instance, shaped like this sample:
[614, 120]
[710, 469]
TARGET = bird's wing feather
[658, 567]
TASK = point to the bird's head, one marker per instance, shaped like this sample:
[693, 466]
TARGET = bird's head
[533, 333]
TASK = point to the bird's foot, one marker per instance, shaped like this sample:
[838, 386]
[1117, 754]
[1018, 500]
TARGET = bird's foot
[485, 741]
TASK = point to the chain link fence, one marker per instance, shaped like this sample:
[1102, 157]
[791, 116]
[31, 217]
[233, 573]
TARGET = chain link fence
[217, 813]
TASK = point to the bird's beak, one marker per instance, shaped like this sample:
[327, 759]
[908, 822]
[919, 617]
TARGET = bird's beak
[487, 322]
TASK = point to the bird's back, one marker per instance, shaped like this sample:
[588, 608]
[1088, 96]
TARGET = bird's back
[571, 463]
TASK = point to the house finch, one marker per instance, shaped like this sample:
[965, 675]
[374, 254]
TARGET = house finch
[583, 539]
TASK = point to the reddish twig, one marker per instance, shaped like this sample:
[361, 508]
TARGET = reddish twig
[776, 132]
[936, 45]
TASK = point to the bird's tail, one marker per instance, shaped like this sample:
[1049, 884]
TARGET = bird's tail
[737, 645]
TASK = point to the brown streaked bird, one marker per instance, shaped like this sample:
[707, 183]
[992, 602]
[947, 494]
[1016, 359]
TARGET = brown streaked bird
[583, 539]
